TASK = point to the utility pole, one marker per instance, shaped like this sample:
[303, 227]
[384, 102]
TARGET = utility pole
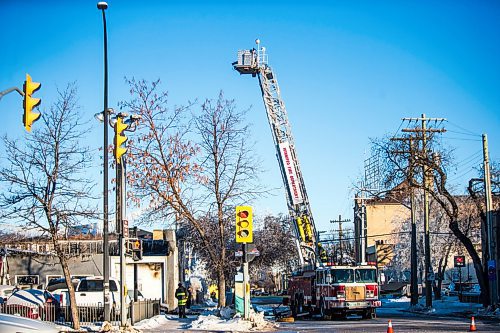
[423, 130]
[413, 241]
[341, 236]
[489, 218]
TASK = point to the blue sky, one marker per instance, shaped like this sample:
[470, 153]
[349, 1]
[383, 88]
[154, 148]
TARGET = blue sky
[348, 71]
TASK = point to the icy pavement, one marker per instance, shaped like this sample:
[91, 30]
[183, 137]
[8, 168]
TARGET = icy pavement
[447, 306]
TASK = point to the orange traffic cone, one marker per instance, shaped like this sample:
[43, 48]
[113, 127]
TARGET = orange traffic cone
[389, 327]
[472, 326]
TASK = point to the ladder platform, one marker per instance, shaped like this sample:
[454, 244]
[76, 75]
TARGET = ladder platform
[243, 69]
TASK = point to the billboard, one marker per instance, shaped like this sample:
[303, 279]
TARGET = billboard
[291, 174]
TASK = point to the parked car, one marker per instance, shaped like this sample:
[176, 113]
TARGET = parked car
[34, 304]
[16, 324]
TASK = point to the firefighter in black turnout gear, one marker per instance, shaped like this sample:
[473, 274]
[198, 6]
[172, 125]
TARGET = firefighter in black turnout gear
[182, 295]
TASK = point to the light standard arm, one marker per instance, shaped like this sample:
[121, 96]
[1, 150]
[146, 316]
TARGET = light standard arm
[5, 92]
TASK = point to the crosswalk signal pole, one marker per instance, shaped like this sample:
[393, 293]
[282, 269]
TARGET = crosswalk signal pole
[246, 285]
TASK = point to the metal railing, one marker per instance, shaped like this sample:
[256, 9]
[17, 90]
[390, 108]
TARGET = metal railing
[88, 314]
[47, 312]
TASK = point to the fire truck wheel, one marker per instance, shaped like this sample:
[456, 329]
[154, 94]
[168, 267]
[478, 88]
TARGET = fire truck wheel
[368, 314]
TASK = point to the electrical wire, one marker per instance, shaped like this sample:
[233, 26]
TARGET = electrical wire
[462, 128]
[463, 139]
[401, 124]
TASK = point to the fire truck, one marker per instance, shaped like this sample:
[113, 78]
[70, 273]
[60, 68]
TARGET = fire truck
[335, 291]
[315, 288]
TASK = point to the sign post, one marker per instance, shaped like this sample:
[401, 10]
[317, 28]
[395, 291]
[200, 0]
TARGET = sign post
[459, 262]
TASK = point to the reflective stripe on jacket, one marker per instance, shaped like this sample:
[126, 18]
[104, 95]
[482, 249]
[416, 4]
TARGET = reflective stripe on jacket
[181, 296]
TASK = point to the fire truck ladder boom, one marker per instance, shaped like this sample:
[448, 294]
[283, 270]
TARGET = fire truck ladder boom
[254, 62]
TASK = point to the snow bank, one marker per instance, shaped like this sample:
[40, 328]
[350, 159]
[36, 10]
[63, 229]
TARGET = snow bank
[448, 305]
[256, 322]
[153, 322]
[488, 312]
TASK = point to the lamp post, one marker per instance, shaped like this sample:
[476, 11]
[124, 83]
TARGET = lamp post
[103, 6]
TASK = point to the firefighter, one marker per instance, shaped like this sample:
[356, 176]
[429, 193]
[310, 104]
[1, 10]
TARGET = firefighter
[182, 296]
[322, 253]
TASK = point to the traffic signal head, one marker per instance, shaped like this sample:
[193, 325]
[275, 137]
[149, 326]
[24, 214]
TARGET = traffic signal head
[120, 139]
[244, 227]
[29, 117]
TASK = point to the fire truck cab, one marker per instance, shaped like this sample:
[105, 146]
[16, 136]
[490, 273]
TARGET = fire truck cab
[335, 291]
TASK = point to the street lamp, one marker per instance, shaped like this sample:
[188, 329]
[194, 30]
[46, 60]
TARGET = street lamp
[105, 247]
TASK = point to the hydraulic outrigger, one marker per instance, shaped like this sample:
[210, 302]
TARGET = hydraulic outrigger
[254, 62]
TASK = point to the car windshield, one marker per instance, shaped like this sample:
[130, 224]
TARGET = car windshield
[342, 275]
[366, 275]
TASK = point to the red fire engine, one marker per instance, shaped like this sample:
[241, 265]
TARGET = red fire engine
[335, 291]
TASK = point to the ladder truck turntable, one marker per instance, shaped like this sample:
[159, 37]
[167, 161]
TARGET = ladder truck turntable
[327, 290]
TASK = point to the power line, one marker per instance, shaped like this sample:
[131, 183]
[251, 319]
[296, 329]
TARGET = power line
[464, 129]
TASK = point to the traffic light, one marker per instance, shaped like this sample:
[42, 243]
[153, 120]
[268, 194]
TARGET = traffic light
[120, 139]
[244, 232]
[29, 117]
[136, 249]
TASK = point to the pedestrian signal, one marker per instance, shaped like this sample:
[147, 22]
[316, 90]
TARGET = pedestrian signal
[244, 227]
[137, 249]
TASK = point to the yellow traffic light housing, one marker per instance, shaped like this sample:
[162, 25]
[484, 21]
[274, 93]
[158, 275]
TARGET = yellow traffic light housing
[244, 224]
[29, 117]
[120, 139]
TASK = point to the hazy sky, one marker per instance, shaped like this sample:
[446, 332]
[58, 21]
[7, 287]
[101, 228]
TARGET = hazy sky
[348, 71]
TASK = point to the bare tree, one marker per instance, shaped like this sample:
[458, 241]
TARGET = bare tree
[404, 163]
[192, 176]
[46, 189]
[276, 244]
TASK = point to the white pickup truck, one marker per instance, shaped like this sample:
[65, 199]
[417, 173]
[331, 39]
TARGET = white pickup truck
[90, 292]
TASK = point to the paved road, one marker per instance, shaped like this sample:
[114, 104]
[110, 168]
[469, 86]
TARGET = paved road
[404, 322]
[399, 324]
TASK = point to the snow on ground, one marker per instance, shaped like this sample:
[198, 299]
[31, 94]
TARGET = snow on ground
[256, 322]
[448, 305]
[153, 322]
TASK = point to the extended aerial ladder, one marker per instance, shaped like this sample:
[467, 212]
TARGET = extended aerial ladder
[254, 62]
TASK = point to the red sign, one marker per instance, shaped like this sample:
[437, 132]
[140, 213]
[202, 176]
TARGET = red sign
[459, 261]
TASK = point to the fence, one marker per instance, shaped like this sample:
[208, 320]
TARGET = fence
[144, 309]
[47, 312]
[88, 314]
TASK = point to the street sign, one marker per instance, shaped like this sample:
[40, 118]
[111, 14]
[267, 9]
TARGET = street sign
[125, 228]
[459, 261]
